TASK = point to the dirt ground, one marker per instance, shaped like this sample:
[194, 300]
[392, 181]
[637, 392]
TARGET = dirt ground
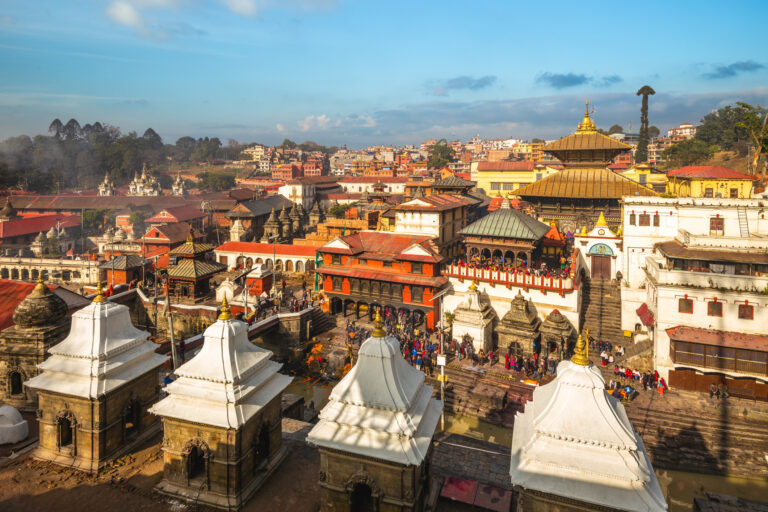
[28, 485]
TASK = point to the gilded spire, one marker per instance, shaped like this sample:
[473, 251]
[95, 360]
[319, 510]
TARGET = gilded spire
[191, 235]
[579, 354]
[99, 298]
[601, 221]
[473, 286]
[378, 326]
[587, 125]
[40, 287]
[225, 314]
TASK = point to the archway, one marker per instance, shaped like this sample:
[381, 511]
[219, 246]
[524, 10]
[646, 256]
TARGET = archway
[195, 462]
[269, 263]
[278, 264]
[310, 266]
[497, 256]
[288, 266]
[299, 266]
[24, 274]
[4, 273]
[239, 262]
[249, 263]
[261, 448]
[132, 418]
[361, 499]
[259, 261]
[521, 257]
[35, 273]
[485, 254]
[44, 274]
[15, 274]
[64, 426]
[509, 257]
[16, 383]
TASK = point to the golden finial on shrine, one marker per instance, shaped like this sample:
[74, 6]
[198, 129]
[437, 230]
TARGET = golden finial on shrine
[378, 326]
[579, 353]
[225, 314]
[99, 298]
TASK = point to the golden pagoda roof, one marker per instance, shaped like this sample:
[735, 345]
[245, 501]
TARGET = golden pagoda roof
[585, 138]
[587, 183]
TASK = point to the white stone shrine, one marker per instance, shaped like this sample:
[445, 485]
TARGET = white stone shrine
[575, 447]
[474, 318]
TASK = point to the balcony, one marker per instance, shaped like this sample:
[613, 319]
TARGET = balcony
[513, 279]
[732, 282]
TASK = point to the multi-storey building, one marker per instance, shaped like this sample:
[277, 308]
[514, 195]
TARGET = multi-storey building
[400, 273]
[441, 216]
[502, 178]
[709, 181]
[685, 130]
[286, 172]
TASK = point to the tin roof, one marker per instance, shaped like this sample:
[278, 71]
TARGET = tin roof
[719, 338]
[507, 223]
[674, 249]
[124, 262]
[709, 172]
[193, 269]
[453, 181]
[584, 184]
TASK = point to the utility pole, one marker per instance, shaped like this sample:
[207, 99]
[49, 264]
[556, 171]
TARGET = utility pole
[169, 315]
[441, 357]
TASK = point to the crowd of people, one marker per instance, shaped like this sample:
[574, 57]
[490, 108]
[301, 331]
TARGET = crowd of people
[545, 269]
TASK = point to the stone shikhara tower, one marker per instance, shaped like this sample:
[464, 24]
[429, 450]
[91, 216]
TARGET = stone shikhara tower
[375, 433]
[222, 424]
[95, 388]
[40, 322]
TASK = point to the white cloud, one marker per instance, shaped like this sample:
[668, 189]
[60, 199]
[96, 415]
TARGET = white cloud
[280, 128]
[126, 14]
[321, 122]
[244, 7]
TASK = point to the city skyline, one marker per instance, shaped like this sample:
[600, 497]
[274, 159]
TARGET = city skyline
[356, 73]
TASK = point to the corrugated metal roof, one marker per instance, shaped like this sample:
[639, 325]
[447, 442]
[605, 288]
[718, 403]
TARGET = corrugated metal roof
[123, 262]
[584, 184]
[709, 172]
[453, 181]
[585, 141]
[507, 223]
[193, 269]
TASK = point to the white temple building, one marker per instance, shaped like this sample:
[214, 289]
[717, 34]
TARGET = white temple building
[474, 318]
[107, 187]
[575, 446]
[94, 389]
[383, 413]
[222, 419]
[144, 184]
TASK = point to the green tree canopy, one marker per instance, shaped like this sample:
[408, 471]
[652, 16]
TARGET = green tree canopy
[441, 155]
[653, 132]
[615, 129]
[688, 152]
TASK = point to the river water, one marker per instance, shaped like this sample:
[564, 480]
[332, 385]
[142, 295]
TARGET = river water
[679, 487]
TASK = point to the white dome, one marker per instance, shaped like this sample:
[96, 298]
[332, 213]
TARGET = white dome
[13, 428]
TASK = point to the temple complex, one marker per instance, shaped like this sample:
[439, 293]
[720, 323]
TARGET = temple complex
[375, 433]
[40, 322]
[95, 388]
[574, 449]
[222, 434]
[573, 197]
[107, 187]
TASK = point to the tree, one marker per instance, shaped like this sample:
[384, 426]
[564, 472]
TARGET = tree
[337, 210]
[55, 128]
[440, 155]
[653, 132]
[757, 130]
[537, 141]
[71, 130]
[152, 138]
[288, 144]
[641, 155]
[95, 220]
[615, 129]
[185, 146]
[688, 152]
[215, 181]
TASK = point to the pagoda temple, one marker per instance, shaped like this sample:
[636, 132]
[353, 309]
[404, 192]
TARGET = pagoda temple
[573, 197]
[574, 449]
[94, 389]
[375, 433]
[190, 276]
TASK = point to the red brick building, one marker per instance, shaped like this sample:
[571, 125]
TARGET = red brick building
[370, 269]
[286, 172]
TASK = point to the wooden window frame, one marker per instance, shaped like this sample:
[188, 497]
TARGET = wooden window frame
[710, 306]
[743, 309]
[680, 306]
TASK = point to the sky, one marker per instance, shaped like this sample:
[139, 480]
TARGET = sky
[362, 72]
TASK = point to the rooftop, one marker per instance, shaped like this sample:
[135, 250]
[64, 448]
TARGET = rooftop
[585, 184]
[259, 248]
[507, 222]
[708, 172]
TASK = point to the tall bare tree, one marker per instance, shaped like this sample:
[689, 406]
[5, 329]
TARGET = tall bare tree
[641, 155]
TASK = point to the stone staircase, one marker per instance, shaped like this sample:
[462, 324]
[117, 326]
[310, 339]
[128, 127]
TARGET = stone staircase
[601, 310]
[321, 322]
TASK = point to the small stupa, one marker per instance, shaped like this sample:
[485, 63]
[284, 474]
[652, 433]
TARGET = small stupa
[375, 433]
[474, 318]
[573, 448]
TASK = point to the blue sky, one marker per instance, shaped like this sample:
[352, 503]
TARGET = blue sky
[358, 72]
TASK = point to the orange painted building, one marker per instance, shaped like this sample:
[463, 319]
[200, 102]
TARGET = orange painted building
[370, 269]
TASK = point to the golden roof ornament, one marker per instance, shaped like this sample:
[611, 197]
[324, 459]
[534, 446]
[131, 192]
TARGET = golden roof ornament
[40, 286]
[473, 286]
[378, 326]
[601, 221]
[579, 353]
[191, 236]
[587, 125]
[225, 314]
[99, 298]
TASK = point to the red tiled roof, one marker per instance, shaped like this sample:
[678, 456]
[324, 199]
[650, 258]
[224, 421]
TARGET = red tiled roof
[169, 233]
[258, 248]
[436, 202]
[13, 292]
[372, 179]
[719, 338]
[709, 172]
[464, 175]
[383, 245]
[553, 238]
[618, 167]
[506, 166]
[645, 316]
[392, 277]
[35, 224]
[180, 213]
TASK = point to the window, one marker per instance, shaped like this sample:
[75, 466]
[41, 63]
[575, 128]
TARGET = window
[656, 219]
[715, 308]
[495, 186]
[643, 179]
[734, 193]
[708, 192]
[337, 284]
[387, 264]
[685, 306]
[417, 294]
[644, 220]
[336, 259]
[539, 175]
[417, 268]
[632, 219]
[362, 261]
[716, 226]
[509, 186]
[746, 312]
